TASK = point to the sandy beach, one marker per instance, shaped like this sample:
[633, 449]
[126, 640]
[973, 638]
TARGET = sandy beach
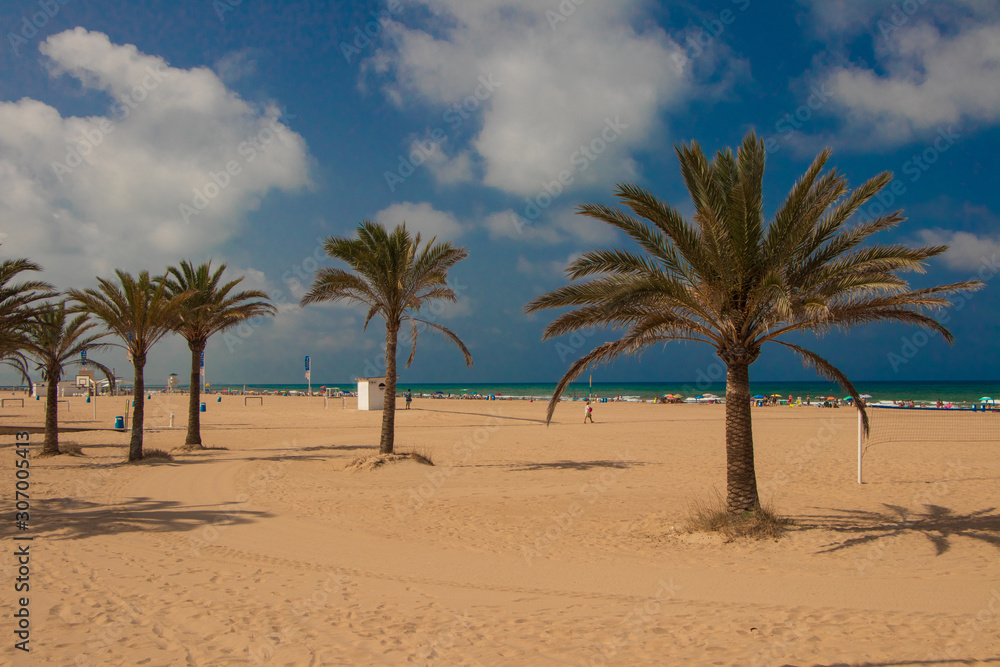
[523, 544]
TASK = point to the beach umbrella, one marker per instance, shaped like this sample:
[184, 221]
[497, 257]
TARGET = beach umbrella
[866, 395]
[847, 398]
[759, 396]
[986, 399]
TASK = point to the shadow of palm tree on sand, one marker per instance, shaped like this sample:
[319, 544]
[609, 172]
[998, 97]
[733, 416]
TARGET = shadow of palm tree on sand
[938, 524]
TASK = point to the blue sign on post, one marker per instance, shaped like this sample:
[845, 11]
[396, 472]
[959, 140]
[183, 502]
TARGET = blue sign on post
[307, 362]
[83, 357]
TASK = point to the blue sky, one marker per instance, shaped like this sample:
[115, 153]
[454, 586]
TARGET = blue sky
[244, 131]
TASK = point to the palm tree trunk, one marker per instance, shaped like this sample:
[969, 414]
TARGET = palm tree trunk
[51, 444]
[389, 406]
[741, 480]
[193, 439]
[139, 398]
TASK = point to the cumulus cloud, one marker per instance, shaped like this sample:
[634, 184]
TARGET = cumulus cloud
[967, 251]
[539, 87]
[169, 171]
[936, 66]
[423, 218]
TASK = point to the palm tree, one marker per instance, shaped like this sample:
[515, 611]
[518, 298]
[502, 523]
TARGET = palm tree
[729, 280]
[55, 341]
[211, 309]
[394, 277]
[16, 300]
[140, 311]
[19, 362]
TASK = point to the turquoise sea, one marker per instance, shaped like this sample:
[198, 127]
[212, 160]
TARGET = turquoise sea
[954, 392]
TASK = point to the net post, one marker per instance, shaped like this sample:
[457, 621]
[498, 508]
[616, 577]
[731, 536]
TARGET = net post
[860, 436]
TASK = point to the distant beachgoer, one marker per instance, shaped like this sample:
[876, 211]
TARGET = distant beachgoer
[589, 413]
[409, 398]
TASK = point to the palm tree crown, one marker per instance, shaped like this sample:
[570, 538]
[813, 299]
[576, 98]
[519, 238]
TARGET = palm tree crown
[140, 311]
[15, 302]
[55, 340]
[728, 279]
[394, 277]
[212, 307]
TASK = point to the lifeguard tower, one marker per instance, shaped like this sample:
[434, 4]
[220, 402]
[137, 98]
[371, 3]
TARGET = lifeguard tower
[172, 383]
[371, 393]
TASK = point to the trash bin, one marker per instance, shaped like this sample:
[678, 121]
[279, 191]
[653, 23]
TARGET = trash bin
[120, 423]
[203, 408]
[218, 400]
[88, 399]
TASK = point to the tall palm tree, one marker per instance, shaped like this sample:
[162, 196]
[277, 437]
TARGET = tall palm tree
[394, 277]
[55, 341]
[732, 281]
[212, 308]
[140, 311]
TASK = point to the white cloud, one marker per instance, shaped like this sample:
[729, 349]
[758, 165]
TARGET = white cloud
[540, 94]
[423, 218]
[451, 169]
[86, 195]
[235, 65]
[565, 226]
[936, 67]
[966, 252]
[554, 268]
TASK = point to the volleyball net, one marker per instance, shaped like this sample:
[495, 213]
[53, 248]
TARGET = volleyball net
[900, 424]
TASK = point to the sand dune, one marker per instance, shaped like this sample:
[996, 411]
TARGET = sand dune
[524, 544]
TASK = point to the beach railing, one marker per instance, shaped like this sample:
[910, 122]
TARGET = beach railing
[3, 402]
[251, 398]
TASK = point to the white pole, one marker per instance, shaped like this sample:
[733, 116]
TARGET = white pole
[860, 436]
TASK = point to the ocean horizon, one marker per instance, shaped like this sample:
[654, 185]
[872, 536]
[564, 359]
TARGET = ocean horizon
[948, 391]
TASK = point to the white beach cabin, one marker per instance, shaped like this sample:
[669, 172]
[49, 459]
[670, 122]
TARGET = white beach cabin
[371, 393]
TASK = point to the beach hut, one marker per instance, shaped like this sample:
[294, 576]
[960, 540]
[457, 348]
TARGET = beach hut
[371, 393]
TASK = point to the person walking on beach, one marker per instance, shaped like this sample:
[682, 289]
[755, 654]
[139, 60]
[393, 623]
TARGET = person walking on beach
[588, 413]
[409, 397]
